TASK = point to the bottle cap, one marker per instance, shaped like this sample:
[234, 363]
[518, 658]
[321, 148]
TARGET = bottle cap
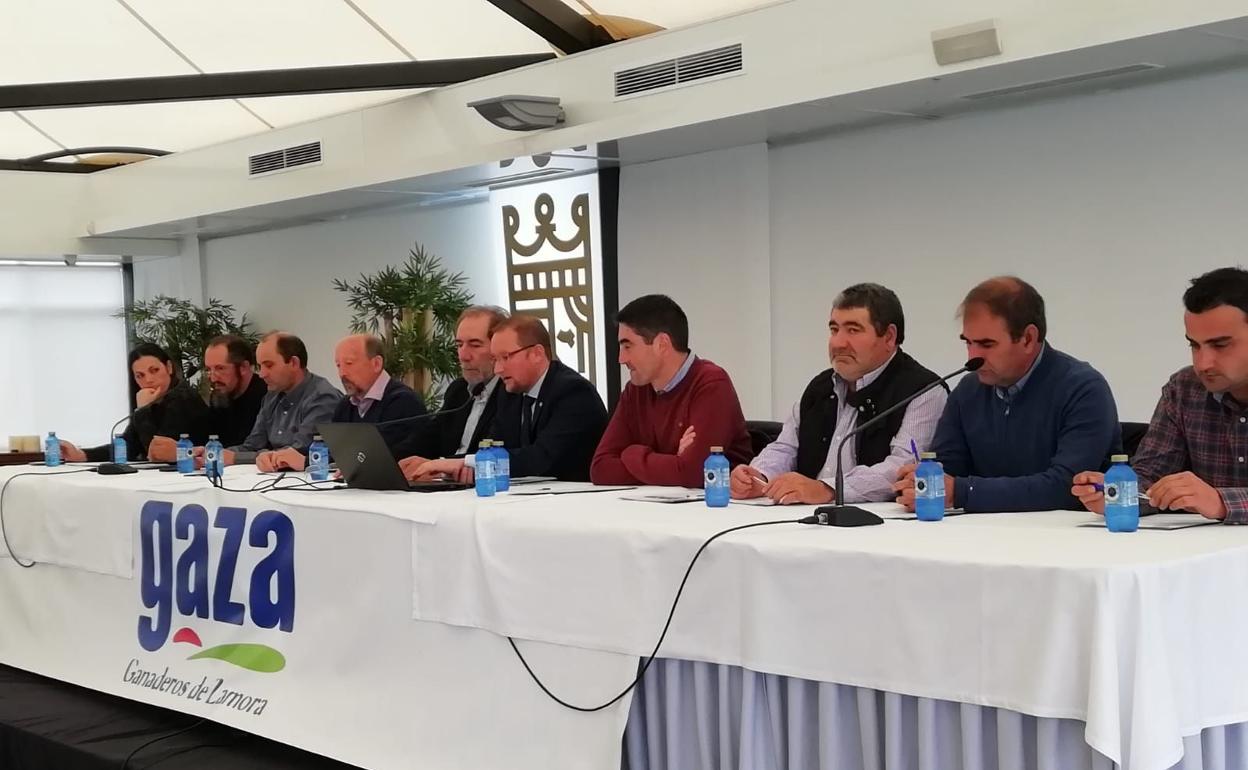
[1117, 458]
[184, 435]
[927, 455]
[212, 437]
[717, 449]
[316, 437]
[485, 443]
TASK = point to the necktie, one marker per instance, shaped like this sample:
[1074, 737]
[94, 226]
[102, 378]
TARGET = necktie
[526, 421]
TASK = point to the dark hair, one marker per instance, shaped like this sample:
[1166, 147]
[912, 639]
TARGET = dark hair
[1224, 286]
[289, 346]
[656, 314]
[373, 348]
[529, 331]
[881, 303]
[1012, 299]
[157, 352]
[237, 349]
[496, 314]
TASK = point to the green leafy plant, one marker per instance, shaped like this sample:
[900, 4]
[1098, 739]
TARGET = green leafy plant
[183, 329]
[413, 309]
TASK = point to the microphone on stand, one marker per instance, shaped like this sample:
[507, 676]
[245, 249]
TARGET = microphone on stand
[472, 396]
[841, 515]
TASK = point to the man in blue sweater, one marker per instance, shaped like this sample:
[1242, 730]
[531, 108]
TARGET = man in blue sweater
[1013, 437]
[372, 394]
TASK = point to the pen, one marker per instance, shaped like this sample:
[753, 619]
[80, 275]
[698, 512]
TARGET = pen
[915, 449]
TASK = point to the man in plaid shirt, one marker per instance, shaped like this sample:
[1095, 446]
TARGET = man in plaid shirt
[1195, 454]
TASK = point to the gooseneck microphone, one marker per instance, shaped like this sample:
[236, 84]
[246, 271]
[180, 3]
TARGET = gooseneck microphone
[472, 396]
[850, 515]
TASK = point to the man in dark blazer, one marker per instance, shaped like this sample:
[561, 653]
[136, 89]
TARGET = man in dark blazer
[550, 418]
[373, 396]
[470, 401]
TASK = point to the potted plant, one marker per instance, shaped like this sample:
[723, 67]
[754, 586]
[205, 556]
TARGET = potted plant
[413, 309]
[183, 329]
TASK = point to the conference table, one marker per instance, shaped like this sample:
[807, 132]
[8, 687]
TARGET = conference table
[373, 627]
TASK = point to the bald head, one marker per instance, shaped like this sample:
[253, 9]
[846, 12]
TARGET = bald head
[360, 361]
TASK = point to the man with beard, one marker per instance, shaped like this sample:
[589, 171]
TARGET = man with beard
[869, 374]
[372, 395]
[233, 401]
[1193, 456]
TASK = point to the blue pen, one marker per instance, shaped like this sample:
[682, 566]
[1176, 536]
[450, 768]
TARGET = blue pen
[915, 449]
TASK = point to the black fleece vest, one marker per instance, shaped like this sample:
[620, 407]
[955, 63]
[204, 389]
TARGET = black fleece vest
[901, 378]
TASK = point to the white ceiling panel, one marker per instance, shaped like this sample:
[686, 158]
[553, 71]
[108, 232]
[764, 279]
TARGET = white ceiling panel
[175, 126]
[18, 140]
[671, 13]
[287, 110]
[445, 29]
[49, 40]
[232, 35]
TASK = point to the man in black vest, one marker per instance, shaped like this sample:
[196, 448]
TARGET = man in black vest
[869, 373]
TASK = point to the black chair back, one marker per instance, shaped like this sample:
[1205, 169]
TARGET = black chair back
[762, 433]
[1132, 435]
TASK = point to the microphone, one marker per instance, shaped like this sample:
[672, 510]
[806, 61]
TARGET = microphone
[841, 515]
[112, 432]
[473, 394]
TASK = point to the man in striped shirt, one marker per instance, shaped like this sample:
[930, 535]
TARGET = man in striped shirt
[1195, 454]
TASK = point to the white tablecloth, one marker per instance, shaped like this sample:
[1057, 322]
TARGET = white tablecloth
[1133, 634]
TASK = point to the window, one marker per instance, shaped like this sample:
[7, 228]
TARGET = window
[64, 353]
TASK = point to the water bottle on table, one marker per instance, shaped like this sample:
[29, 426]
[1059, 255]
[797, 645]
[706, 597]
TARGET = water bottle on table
[52, 450]
[318, 459]
[214, 458]
[119, 449]
[186, 463]
[485, 470]
[1122, 502]
[502, 467]
[715, 479]
[929, 488]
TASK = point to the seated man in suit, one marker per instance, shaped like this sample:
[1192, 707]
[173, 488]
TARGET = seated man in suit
[1193, 456]
[470, 401]
[373, 396]
[675, 407]
[550, 418]
[869, 374]
[1012, 437]
[297, 401]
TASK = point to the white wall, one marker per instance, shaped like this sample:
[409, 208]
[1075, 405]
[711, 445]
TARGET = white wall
[283, 278]
[1107, 203]
[696, 228]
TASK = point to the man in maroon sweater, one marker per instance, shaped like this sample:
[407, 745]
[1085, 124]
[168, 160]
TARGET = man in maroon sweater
[674, 409]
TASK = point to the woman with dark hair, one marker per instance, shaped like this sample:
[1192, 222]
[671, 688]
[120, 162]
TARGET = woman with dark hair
[165, 405]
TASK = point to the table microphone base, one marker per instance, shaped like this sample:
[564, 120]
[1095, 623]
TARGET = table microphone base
[842, 516]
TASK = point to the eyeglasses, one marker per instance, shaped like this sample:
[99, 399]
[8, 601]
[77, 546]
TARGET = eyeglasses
[505, 357]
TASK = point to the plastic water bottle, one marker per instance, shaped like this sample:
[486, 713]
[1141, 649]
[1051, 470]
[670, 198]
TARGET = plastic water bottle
[485, 470]
[52, 450]
[715, 478]
[186, 463]
[929, 488]
[119, 449]
[502, 467]
[1122, 501]
[318, 459]
[214, 458]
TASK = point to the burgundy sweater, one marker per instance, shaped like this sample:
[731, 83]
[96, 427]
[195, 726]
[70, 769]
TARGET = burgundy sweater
[640, 444]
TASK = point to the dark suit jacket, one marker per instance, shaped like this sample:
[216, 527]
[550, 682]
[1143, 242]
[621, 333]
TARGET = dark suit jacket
[439, 436]
[568, 422]
[397, 402]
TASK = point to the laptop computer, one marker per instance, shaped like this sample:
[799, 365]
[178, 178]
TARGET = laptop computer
[366, 463]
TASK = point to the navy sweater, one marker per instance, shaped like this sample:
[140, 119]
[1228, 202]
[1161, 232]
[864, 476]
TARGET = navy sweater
[1023, 458]
[397, 402]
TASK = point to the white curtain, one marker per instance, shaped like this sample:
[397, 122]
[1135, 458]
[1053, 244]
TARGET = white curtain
[63, 352]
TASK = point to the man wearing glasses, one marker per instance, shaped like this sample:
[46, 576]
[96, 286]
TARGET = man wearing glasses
[550, 419]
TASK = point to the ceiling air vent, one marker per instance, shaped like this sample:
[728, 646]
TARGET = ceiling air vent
[1069, 80]
[279, 160]
[692, 68]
